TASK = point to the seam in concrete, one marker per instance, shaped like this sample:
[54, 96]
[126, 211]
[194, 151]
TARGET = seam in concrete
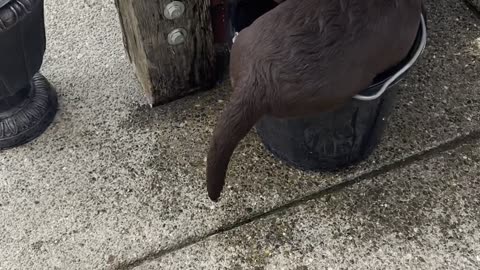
[425, 155]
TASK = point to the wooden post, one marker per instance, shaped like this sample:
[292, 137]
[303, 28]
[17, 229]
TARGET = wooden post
[168, 72]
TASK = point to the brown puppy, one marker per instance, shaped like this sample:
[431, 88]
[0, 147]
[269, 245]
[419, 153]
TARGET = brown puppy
[305, 57]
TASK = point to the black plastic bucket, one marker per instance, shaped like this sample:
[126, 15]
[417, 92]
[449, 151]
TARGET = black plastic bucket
[333, 140]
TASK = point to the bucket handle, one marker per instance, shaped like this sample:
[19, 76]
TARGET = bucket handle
[402, 70]
[4, 2]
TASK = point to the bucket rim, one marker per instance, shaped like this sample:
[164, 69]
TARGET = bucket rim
[4, 2]
[419, 44]
[396, 71]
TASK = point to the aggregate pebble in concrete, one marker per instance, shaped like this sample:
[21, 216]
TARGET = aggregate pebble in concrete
[113, 181]
[425, 216]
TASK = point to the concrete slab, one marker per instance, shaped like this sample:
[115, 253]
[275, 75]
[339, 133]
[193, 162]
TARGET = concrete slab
[424, 216]
[113, 182]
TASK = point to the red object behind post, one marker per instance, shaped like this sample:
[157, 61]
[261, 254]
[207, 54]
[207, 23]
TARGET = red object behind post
[219, 12]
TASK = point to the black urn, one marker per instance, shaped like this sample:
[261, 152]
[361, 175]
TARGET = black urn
[28, 103]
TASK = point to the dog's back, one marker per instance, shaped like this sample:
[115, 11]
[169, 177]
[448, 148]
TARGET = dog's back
[304, 57]
[330, 49]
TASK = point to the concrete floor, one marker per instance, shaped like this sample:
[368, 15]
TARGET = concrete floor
[114, 184]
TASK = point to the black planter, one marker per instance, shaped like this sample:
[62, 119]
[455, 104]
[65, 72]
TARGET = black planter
[28, 103]
[244, 13]
[330, 141]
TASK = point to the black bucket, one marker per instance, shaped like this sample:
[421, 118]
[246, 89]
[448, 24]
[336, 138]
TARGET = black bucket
[334, 140]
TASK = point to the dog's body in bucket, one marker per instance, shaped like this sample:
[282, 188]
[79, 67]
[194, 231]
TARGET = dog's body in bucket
[305, 57]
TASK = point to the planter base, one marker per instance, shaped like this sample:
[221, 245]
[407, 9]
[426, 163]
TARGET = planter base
[27, 117]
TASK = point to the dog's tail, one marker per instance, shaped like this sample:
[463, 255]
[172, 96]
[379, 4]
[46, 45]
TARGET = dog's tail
[238, 118]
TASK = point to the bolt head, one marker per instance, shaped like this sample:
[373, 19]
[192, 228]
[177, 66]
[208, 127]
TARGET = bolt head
[177, 37]
[174, 10]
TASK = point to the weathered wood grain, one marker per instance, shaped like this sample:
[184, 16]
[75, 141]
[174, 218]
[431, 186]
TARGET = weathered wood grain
[168, 72]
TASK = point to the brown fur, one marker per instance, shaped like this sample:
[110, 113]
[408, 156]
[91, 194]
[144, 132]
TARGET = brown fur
[305, 57]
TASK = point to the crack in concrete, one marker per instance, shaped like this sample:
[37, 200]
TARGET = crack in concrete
[424, 155]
